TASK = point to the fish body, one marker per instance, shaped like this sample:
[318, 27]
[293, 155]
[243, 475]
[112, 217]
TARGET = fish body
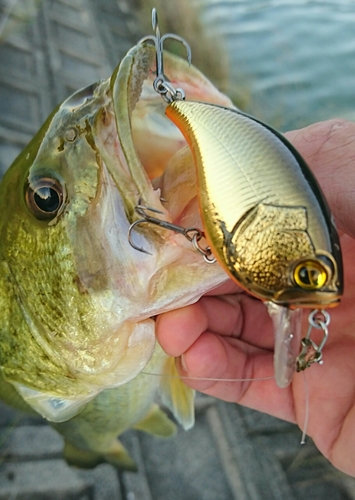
[264, 215]
[77, 300]
[91, 436]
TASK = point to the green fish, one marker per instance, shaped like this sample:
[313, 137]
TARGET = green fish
[77, 299]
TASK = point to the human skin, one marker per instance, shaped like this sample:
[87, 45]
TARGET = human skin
[228, 334]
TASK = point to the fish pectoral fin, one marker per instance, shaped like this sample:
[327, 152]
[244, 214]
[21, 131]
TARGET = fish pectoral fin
[120, 458]
[177, 396]
[117, 456]
[157, 422]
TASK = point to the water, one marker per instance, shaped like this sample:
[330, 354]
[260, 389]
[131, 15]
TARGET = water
[292, 63]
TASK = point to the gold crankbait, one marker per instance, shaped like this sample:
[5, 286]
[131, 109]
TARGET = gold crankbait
[263, 213]
[264, 216]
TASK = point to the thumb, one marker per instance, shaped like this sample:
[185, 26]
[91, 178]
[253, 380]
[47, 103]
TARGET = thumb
[329, 149]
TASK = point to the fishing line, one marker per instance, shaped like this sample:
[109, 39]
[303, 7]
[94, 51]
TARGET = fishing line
[211, 379]
[306, 414]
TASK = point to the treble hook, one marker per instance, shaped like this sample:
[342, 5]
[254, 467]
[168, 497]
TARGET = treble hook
[161, 83]
[192, 234]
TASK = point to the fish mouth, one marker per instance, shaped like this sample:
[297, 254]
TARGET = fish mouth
[156, 153]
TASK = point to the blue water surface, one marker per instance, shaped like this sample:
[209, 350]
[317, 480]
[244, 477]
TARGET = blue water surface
[292, 63]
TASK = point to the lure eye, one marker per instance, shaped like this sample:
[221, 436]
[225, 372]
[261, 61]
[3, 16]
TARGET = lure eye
[45, 198]
[310, 275]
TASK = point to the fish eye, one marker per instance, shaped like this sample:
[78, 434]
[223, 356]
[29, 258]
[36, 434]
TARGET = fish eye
[45, 198]
[310, 274]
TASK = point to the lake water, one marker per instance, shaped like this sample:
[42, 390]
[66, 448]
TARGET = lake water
[292, 63]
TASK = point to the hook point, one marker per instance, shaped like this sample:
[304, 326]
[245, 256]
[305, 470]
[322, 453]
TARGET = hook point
[130, 241]
[154, 18]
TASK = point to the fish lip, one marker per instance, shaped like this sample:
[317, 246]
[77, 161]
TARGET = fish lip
[133, 77]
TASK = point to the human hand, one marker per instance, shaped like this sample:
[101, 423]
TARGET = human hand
[228, 334]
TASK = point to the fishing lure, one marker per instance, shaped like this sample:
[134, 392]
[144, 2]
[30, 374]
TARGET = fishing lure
[265, 218]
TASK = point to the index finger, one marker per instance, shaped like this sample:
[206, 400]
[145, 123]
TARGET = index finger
[237, 316]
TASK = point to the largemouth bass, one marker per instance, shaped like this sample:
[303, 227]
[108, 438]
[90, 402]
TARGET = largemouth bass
[77, 299]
